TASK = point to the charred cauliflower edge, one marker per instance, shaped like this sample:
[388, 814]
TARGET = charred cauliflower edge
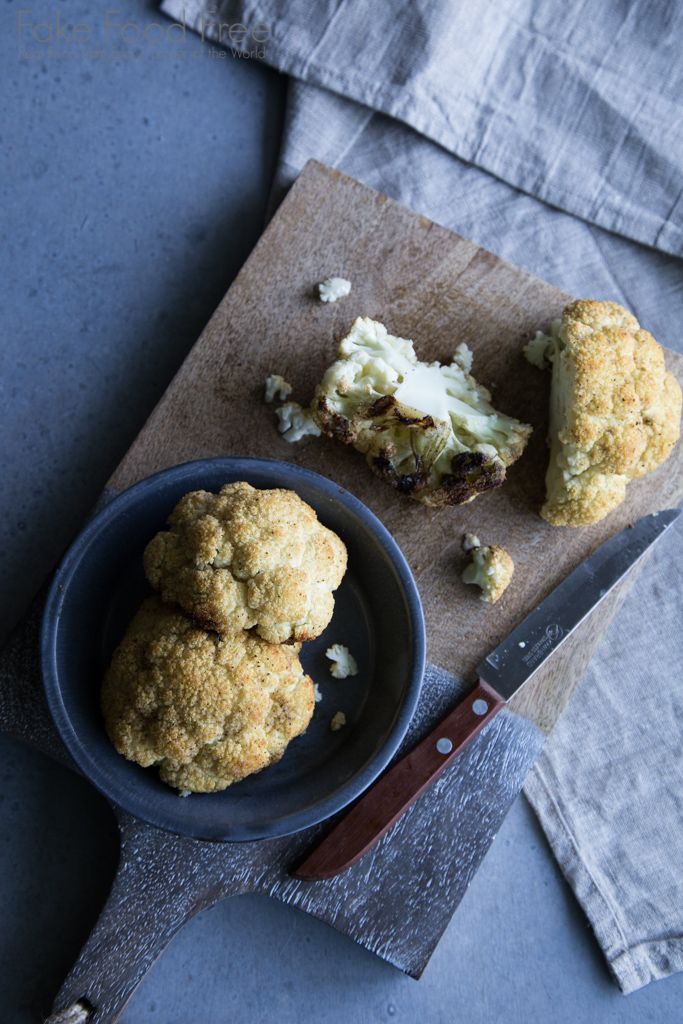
[429, 430]
[615, 410]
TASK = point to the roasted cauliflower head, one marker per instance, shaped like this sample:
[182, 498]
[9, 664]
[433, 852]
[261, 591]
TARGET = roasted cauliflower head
[615, 410]
[427, 429]
[207, 711]
[248, 558]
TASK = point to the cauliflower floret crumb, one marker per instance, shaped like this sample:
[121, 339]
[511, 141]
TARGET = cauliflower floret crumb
[463, 356]
[535, 350]
[470, 541]
[491, 569]
[296, 422]
[338, 721]
[206, 711]
[317, 694]
[277, 385]
[333, 288]
[248, 558]
[614, 409]
[343, 662]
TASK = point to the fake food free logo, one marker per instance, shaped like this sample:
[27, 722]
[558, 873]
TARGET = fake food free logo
[62, 39]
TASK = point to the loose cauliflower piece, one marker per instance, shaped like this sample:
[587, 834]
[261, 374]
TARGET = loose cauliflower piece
[277, 385]
[338, 721]
[333, 288]
[427, 429]
[491, 569]
[207, 711]
[248, 558]
[343, 662]
[464, 357]
[295, 422]
[615, 410]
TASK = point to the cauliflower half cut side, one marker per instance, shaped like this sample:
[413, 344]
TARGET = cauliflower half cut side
[615, 410]
[429, 430]
[491, 569]
[206, 711]
[247, 558]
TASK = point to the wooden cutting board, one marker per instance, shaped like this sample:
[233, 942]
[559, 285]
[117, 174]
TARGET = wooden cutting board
[426, 283]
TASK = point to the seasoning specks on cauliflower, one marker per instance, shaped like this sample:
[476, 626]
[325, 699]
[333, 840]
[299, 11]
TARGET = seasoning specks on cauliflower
[248, 558]
[429, 430]
[491, 569]
[614, 409]
[207, 711]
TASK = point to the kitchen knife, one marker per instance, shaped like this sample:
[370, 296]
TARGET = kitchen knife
[500, 676]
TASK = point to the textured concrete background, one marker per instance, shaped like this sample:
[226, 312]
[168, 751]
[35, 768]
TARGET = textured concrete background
[133, 187]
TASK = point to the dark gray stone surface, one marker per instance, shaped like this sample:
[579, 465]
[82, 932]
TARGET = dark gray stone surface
[132, 190]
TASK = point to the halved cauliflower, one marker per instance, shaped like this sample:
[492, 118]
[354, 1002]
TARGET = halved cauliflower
[615, 410]
[491, 569]
[427, 429]
[207, 711]
[248, 558]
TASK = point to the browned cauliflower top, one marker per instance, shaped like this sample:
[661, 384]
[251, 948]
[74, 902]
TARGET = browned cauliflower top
[614, 410]
[207, 711]
[248, 558]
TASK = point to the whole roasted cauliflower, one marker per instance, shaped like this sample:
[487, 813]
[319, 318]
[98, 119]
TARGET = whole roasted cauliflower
[615, 410]
[429, 430]
[248, 558]
[207, 711]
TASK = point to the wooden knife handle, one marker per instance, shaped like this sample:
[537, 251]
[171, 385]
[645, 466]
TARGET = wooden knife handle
[386, 800]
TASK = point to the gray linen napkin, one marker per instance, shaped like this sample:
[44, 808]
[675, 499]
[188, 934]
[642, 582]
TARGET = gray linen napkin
[578, 104]
[584, 116]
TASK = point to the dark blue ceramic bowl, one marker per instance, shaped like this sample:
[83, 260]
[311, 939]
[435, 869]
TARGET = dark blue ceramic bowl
[378, 616]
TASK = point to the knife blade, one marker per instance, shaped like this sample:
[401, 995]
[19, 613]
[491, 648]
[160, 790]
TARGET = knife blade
[501, 675]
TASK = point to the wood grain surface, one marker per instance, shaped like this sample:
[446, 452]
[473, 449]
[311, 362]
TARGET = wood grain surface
[428, 284]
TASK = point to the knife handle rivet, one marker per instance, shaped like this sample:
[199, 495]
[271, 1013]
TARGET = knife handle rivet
[444, 746]
[480, 707]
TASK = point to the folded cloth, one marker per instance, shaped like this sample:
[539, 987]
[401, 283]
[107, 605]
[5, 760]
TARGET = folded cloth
[578, 106]
[586, 131]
